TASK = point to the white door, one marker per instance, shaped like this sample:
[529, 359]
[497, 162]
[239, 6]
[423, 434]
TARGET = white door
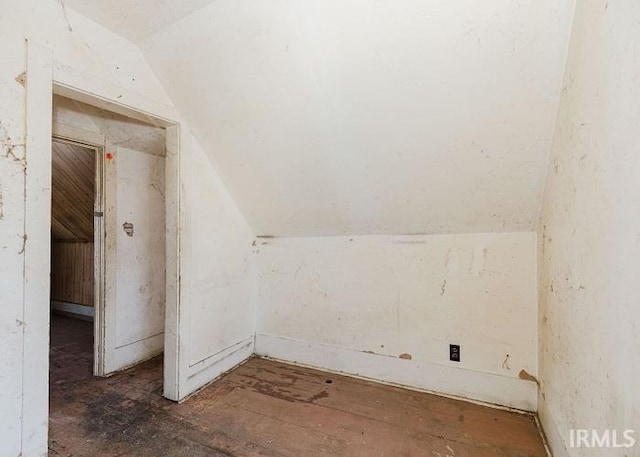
[135, 258]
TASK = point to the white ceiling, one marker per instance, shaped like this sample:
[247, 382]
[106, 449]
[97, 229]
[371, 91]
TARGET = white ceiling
[345, 117]
[135, 19]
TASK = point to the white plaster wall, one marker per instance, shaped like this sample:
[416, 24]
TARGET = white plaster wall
[218, 274]
[356, 304]
[345, 117]
[91, 57]
[590, 236]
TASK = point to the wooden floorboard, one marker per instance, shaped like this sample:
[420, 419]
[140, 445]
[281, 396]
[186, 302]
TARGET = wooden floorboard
[263, 409]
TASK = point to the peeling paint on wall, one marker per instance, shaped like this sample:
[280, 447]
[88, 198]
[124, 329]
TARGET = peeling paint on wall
[12, 150]
[22, 79]
[478, 261]
[128, 228]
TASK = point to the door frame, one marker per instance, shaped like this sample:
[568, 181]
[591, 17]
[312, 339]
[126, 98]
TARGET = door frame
[45, 77]
[176, 140]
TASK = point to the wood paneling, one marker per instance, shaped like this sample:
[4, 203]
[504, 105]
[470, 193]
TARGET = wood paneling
[72, 272]
[73, 191]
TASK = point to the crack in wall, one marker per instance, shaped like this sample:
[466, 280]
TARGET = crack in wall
[66, 15]
[24, 244]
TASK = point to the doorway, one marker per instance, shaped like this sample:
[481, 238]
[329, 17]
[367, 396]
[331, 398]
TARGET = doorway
[108, 229]
[75, 263]
[74, 180]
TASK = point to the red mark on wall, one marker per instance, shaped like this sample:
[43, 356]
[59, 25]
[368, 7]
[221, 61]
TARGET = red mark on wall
[109, 155]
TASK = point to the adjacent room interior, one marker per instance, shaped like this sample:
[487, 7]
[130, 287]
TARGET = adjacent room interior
[339, 228]
[73, 179]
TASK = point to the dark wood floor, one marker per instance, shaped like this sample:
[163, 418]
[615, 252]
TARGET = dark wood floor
[263, 408]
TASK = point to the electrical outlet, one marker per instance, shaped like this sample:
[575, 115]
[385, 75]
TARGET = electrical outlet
[454, 352]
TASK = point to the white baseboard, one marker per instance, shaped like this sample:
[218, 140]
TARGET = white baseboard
[466, 384]
[554, 439]
[83, 312]
[133, 353]
[210, 369]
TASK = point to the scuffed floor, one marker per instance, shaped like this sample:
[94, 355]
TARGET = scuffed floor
[263, 408]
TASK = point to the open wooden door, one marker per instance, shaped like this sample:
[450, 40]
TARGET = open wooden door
[134, 311]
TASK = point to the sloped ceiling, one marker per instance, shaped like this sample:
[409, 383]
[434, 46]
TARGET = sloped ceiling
[135, 19]
[343, 117]
[72, 192]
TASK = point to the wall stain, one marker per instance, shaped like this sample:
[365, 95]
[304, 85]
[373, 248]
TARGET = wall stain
[478, 262]
[443, 287]
[158, 188]
[10, 148]
[22, 79]
[527, 377]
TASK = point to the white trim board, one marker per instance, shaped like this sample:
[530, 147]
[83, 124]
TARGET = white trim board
[464, 384]
[209, 370]
[553, 436]
[37, 252]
